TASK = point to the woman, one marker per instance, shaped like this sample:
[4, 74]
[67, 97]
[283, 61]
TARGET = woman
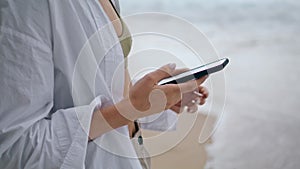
[40, 42]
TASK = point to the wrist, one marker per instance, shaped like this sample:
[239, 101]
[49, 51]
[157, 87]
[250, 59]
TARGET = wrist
[111, 117]
[127, 110]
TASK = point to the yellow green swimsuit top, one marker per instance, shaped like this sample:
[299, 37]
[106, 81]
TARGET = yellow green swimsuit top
[125, 38]
[126, 43]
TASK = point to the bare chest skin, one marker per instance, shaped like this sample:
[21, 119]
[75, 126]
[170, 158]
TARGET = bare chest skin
[114, 18]
[112, 15]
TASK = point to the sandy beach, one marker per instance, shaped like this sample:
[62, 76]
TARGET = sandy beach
[189, 153]
[259, 129]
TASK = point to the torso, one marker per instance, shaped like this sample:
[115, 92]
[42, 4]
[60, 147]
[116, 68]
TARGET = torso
[118, 26]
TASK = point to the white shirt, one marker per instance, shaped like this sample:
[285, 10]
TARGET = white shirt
[47, 100]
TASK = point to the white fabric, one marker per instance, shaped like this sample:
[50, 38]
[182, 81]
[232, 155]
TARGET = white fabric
[44, 119]
[165, 121]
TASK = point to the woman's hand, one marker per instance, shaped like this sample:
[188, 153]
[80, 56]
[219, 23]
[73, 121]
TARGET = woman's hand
[146, 97]
[191, 100]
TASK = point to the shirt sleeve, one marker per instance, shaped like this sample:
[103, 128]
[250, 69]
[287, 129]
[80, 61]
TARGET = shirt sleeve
[31, 136]
[164, 121]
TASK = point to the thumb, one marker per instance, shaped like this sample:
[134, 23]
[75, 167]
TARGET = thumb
[163, 72]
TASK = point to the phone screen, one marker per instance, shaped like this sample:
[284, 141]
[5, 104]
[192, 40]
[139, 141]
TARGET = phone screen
[197, 72]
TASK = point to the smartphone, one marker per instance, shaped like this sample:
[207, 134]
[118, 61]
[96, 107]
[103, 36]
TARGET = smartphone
[197, 72]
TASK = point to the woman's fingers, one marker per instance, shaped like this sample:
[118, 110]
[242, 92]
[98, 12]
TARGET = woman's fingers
[203, 90]
[174, 92]
[178, 71]
[201, 80]
[191, 85]
[193, 108]
[161, 73]
[177, 109]
[202, 101]
[192, 100]
[148, 97]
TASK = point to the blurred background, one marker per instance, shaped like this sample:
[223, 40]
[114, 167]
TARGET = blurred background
[261, 122]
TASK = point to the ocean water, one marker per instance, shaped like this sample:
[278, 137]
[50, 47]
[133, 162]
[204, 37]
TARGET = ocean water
[261, 122]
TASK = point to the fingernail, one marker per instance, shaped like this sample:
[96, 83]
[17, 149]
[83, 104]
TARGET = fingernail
[198, 94]
[197, 100]
[172, 66]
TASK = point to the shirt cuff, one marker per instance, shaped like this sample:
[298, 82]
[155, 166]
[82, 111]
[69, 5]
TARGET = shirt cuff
[164, 121]
[72, 128]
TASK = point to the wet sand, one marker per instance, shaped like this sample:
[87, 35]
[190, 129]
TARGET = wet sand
[189, 153]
